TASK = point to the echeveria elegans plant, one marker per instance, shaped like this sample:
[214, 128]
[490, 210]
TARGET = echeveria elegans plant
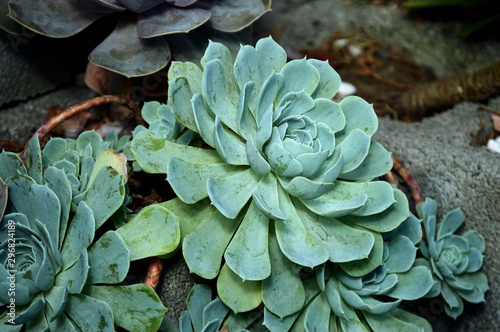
[285, 161]
[455, 260]
[137, 46]
[64, 277]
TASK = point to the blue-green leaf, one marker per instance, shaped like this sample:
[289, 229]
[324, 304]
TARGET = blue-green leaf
[238, 294]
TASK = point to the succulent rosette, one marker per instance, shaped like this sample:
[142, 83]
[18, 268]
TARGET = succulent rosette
[205, 314]
[55, 274]
[137, 46]
[455, 260]
[286, 160]
[344, 297]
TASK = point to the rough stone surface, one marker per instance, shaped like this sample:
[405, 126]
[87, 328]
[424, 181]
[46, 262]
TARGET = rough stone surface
[438, 154]
[301, 24]
[18, 123]
[32, 65]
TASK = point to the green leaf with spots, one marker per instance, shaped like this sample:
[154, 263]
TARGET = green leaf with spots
[153, 232]
[135, 307]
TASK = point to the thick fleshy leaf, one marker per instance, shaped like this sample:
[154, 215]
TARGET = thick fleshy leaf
[238, 294]
[89, 314]
[135, 307]
[63, 18]
[355, 148]
[329, 82]
[298, 75]
[229, 146]
[75, 275]
[318, 314]
[451, 222]
[152, 232]
[358, 115]
[105, 195]
[153, 153]
[402, 254]
[267, 97]
[390, 321]
[367, 303]
[258, 163]
[139, 6]
[387, 220]
[79, 236]
[191, 71]
[34, 160]
[204, 247]
[266, 198]
[411, 228]
[40, 203]
[344, 243]
[230, 194]
[215, 311]
[204, 118]
[475, 240]
[189, 215]
[247, 254]
[219, 93]
[124, 52]
[30, 312]
[480, 286]
[164, 19]
[271, 57]
[362, 267]
[108, 157]
[179, 100]
[283, 292]
[232, 16]
[336, 204]
[377, 162]
[198, 298]
[57, 181]
[413, 284]
[275, 323]
[109, 259]
[328, 112]
[246, 123]
[293, 238]
[10, 164]
[57, 298]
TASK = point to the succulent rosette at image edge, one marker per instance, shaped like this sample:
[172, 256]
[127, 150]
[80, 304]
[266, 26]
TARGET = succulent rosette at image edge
[136, 46]
[284, 159]
[54, 272]
[455, 260]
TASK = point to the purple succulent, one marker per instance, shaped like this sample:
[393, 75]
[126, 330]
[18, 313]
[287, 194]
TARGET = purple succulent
[137, 46]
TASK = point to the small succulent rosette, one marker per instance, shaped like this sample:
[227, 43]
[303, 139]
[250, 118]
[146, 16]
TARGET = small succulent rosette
[363, 295]
[55, 274]
[205, 314]
[137, 46]
[455, 260]
[284, 161]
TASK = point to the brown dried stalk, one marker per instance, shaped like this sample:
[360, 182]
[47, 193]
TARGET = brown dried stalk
[83, 106]
[441, 94]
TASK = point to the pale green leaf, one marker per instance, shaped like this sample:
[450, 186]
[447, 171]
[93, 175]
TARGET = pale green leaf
[152, 232]
[237, 294]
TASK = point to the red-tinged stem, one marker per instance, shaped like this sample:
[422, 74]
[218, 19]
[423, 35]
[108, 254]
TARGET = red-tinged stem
[83, 106]
[154, 272]
[405, 174]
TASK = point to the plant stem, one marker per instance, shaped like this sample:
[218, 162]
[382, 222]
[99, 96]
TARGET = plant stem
[154, 272]
[83, 106]
[405, 174]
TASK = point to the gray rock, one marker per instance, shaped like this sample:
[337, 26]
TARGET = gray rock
[438, 154]
[18, 123]
[304, 24]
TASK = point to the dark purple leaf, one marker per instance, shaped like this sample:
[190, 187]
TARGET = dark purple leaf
[180, 3]
[55, 18]
[140, 6]
[165, 19]
[105, 6]
[234, 15]
[125, 53]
